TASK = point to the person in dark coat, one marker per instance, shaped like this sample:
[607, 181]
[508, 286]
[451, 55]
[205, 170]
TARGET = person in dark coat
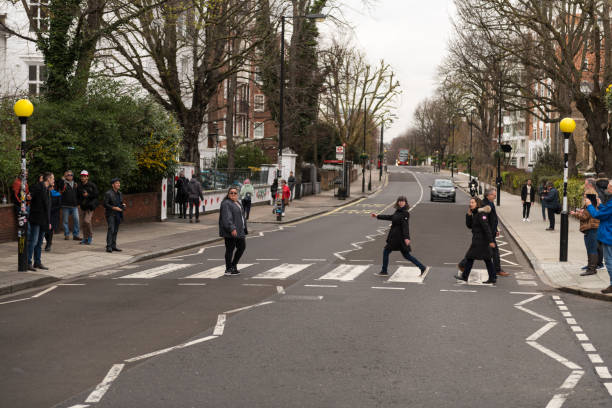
[182, 194]
[70, 204]
[551, 203]
[527, 197]
[483, 240]
[195, 195]
[113, 210]
[87, 194]
[56, 206]
[40, 220]
[233, 228]
[273, 191]
[398, 238]
[542, 193]
[490, 196]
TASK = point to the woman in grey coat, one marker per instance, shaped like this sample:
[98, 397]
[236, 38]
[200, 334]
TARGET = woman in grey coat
[232, 227]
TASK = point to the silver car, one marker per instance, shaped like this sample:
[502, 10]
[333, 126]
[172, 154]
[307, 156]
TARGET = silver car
[443, 189]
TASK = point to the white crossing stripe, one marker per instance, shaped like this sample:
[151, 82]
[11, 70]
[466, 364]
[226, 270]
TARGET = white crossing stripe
[345, 273]
[155, 272]
[213, 273]
[407, 274]
[478, 276]
[526, 282]
[603, 372]
[282, 271]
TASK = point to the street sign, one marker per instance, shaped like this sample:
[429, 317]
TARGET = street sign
[339, 152]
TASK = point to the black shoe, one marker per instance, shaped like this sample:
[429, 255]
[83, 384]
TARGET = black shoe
[550, 229]
[228, 272]
[460, 277]
[587, 273]
[197, 220]
[423, 271]
[117, 249]
[381, 273]
[41, 266]
[109, 250]
[489, 282]
[47, 248]
[31, 268]
[607, 290]
[235, 271]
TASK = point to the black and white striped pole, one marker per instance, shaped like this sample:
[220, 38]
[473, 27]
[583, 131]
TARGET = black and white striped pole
[566, 126]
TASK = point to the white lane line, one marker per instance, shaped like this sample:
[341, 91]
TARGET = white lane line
[531, 312]
[220, 325]
[576, 329]
[97, 394]
[525, 293]
[541, 331]
[79, 406]
[388, 288]
[321, 286]
[556, 297]
[603, 373]
[268, 259]
[557, 401]
[313, 260]
[166, 350]
[256, 284]
[361, 260]
[71, 284]
[572, 380]
[566, 314]
[215, 259]
[157, 271]
[554, 356]
[280, 290]
[570, 320]
[201, 250]
[562, 307]
[458, 290]
[582, 337]
[261, 234]
[132, 284]
[213, 273]
[559, 302]
[240, 309]
[588, 347]
[39, 294]
[282, 271]
[407, 274]
[14, 301]
[531, 299]
[191, 284]
[345, 273]
[526, 283]
[595, 358]
[609, 388]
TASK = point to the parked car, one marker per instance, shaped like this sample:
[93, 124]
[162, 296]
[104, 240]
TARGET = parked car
[443, 189]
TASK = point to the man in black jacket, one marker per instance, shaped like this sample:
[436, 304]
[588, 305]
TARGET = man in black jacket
[40, 220]
[113, 209]
[490, 196]
[70, 205]
[87, 193]
[527, 196]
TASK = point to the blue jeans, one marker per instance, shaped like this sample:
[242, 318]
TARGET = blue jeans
[35, 240]
[66, 213]
[590, 241]
[607, 251]
[406, 255]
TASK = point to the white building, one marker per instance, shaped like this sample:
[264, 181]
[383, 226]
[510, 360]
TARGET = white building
[515, 135]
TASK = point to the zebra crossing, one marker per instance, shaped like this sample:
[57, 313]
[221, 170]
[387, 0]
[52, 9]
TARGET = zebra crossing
[284, 271]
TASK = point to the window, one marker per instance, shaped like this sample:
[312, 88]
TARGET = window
[37, 75]
[258, 78]
[547, 132]
[258, 130]
[39, 11]
[259, 103]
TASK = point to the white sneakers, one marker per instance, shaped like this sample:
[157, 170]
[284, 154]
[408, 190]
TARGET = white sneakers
[526, 219]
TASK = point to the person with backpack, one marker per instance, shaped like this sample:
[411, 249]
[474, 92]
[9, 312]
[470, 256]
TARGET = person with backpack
[195, 195]
[246, 196]
[182, 194]
[552, 205]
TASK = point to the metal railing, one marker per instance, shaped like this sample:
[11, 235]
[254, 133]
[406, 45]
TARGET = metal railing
[223, 178]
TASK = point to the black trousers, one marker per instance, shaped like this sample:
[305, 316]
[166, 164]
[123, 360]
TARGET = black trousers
[194, 203]
[526, 208]
[182, 209]
[496, 258]
[111, 233]
[231, 257]
[246, 204]
[551, 217]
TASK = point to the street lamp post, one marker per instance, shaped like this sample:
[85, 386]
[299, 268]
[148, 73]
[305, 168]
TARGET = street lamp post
[281, 109]
[216, 134]
[452, 157]
[23, 109]
[567, 126]
[498, 179]
[365, 120]
[381, 153]
[470, 158]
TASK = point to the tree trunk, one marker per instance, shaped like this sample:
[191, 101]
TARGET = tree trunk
[596, 116]
[229, 122]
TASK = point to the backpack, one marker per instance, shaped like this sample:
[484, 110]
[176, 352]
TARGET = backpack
[247, 197]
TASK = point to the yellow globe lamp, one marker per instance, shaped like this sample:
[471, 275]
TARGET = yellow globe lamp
[567, 125]
[23, 108]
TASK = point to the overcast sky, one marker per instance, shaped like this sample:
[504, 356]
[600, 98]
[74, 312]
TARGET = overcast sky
[410, 35]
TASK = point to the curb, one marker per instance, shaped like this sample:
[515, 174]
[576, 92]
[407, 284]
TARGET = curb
[45, 280]
[533, 261]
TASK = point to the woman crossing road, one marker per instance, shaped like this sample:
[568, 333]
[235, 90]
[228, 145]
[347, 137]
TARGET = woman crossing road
[483, 241]
[398, 238]
[232, 227]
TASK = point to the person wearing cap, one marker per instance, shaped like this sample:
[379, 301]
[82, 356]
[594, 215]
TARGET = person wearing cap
[87, 193]
[113, 209]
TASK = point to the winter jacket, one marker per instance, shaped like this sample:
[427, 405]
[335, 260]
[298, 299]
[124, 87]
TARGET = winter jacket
[113, 199]
[182, 193]
[40, 206]
[17, 191]
[492, 216]
[531, 194]
[247, 192]
[400, 229]
[231, 217]
[604, 215]
[601, 186]
[552, 199]
[69, 193]
[286, 192]
[587, 222]
[90, 202]
[482, 235]
[195, 190]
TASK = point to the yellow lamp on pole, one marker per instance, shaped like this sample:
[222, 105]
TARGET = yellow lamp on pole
[567, 126]
[23, 109]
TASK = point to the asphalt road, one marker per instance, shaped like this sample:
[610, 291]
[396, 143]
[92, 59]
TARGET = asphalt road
[322, 331]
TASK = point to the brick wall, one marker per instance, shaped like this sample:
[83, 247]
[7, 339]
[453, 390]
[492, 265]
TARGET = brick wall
[140, 208]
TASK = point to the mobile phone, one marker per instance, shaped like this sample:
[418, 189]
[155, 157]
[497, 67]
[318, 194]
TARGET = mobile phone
[593, 198]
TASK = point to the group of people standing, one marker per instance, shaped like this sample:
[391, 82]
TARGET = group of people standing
[50, 196]
[188, 193]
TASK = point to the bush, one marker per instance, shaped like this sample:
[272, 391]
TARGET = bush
[107, 132]
[575, 191]
[246, 155]
[10, 162]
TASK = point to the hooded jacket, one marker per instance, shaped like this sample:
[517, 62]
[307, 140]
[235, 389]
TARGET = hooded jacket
[231, 217]
[604, 215]
[482, 235]
[400, 229]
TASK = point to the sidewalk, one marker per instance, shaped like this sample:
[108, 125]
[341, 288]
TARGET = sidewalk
[542, 247]
[141, 241]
